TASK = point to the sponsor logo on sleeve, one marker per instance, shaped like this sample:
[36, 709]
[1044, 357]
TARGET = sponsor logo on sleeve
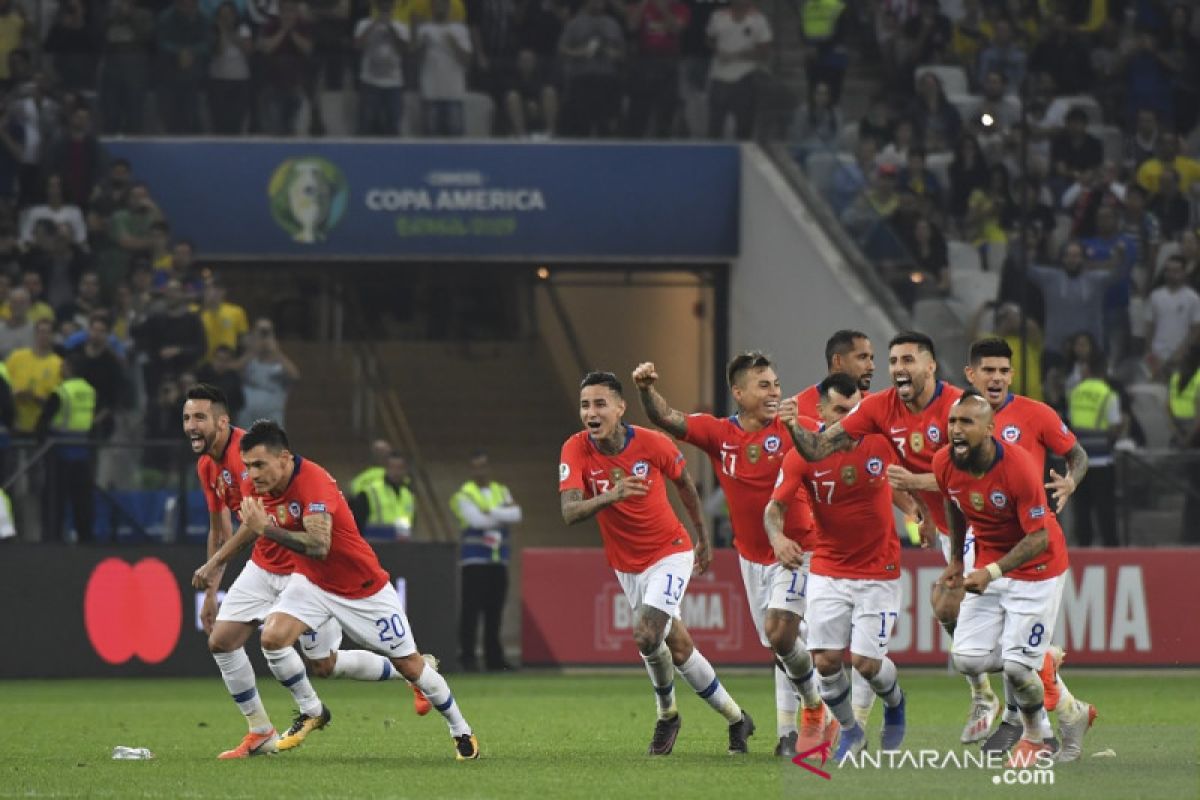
[1037, 512]
[564, 472]
[313, 508]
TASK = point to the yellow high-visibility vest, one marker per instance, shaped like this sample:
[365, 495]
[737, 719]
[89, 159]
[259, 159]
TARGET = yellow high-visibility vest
[1183, 401]
[76, 408]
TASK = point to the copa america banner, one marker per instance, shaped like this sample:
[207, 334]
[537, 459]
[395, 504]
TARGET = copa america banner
[88, 612]
[411, 200]
[1123, 607]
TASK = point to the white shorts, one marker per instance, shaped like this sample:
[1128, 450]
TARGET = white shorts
[773, 586]
[968, 550]
[852, 612]
[254, 594]
[1016, 616]
[662, 585]
[377, 622]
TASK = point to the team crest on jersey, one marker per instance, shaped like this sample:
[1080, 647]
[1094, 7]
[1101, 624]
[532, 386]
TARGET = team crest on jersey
[934, 433]
[227, 477]
[641, 468]
[977, 501]
[616, 473]
[1063, 427]
[771, 443]
[916, 442]
[998, 499]
[753, 452]
[294, 509]
[849, 475]
[875, 467]
[1011, 434]
[280, 515]
[245, 474]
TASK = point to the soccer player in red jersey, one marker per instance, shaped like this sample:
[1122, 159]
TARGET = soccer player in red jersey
[297, 504]
[618, 473]
[1036, 428]
[848, 352]
[254, 592]
[1008, 615]
[912, 415]
[853, 591]
[746, 451]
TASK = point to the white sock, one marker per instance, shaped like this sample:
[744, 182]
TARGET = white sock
[835, 691]
[886, 684]
[1068, 707]
[981, 687]
[799, 666]
[288, 668]
[362, 665]
[238, 675]
[862, 697]
[662, 677]
[787, 703]
[437, 691]
[701, 676]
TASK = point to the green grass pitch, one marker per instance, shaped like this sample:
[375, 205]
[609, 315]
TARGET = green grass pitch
[550, 736]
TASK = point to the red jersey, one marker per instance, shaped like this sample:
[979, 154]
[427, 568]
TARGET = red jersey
[852, 501]
[914, 437]
[222, 485]
[747, 465]
[806, 401]
[1003, 506]
[351, 569]
[637, 531]
[1035, 427]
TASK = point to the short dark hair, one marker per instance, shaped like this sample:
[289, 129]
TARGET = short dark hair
[751, 359]
[100, 315]
[601, 378]
[1077, 113]
[988, 347]
[972, 393]
[922, 342]
[266, 432]
[841, 343]
[839, 382]
[209, 392]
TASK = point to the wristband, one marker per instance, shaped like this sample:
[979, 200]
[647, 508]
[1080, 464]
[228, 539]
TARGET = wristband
[994, 570]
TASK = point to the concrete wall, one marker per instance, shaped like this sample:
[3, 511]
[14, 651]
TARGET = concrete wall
[790, 289]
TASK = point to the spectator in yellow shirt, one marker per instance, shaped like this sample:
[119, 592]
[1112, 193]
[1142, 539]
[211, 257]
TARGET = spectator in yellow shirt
[1150, 172]
[12, 33]
[34, 373]
[414, 12]
[224, 323]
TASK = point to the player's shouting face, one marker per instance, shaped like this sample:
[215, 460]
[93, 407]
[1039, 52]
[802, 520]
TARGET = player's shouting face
[969, 426]
[992, 377]
[203, 423]
[757, 394]
[912, 369]
[600, 410]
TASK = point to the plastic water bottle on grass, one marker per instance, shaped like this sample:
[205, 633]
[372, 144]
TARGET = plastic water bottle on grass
[122, 753]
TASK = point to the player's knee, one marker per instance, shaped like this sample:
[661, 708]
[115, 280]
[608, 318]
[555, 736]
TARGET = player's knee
[827, 662]
[971, 663]
[647, 638]
[865, 666]
[273, 639]
[1020, 674]
[410, 666]
[781, 634]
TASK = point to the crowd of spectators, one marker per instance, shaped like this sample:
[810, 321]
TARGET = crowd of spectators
[285, 67]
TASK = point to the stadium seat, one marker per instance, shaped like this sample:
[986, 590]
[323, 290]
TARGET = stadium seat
[970, 284]
[963, 257]
[954, 79]
[819, 167]
[939, 165]
[478, 110]
[1088, 104]
[1149, 402]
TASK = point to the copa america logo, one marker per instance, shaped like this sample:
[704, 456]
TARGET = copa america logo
[641, 469]
[771, 443]
[308, 197]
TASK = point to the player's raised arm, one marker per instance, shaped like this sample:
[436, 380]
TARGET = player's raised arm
[576, 509]
[1063, 486]
[901, 478]
[813, 445]
[689, 496]
[656, 406]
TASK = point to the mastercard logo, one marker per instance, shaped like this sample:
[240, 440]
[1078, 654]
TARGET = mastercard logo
[132, 610]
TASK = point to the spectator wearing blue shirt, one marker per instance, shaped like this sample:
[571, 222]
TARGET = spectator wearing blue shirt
[1004, 55]
[1111, 249]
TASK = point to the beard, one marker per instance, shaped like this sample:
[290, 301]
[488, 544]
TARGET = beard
[972, 461]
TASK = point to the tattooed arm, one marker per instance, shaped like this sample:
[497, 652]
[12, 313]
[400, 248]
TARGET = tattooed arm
[1063, 486]
[576, 509]
[816, 446]
[656, 406]
[313, 541]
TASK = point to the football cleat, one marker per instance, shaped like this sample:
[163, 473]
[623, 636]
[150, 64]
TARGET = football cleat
[979, 721]
[739, 732]
[1049, 675]
[892, 735]
[1003, 738]
[1072, 732]
[665, 731]
[466, 747]
[786, 746]
[254, 744]
[852, 741]
[302, 726]
[421, 703]
[1025, 754]
[817, 727]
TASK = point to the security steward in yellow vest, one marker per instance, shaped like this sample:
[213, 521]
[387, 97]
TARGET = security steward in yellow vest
[380, 450]
[1094, 414]
[67, 418]
[7, 411]
[1183, 398]
[484, 510]
[823, 27]
[386, 502]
